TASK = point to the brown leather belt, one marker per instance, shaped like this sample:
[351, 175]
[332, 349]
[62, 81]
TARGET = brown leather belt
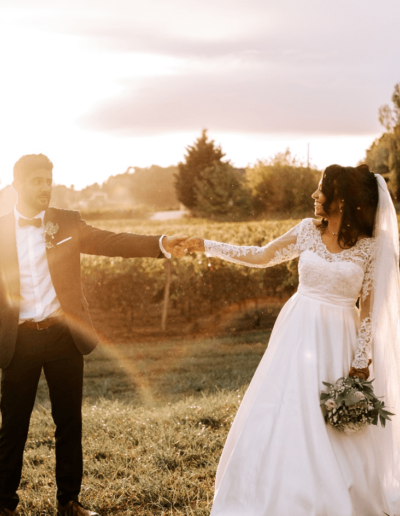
[43, 325]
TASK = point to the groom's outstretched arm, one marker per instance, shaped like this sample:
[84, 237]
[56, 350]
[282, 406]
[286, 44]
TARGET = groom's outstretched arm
[106, 243]
[127, 245]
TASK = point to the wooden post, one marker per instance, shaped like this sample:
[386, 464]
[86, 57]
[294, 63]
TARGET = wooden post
[166, 295]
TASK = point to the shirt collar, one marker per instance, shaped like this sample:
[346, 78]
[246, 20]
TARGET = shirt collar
[19, 216]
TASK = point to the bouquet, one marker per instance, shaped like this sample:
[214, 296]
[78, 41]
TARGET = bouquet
[350, 405]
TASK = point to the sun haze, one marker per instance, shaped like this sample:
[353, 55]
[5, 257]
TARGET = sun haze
[101, 86]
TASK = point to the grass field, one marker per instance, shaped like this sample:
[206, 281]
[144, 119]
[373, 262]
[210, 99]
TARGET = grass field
[156, 416]
[156, 412]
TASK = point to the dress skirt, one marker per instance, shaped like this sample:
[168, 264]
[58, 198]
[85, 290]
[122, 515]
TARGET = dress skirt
[280, 457]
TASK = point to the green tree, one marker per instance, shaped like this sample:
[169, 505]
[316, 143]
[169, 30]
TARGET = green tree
[383, 157]
[200, 156]
[378, 155]
[282, 185]
[394, 162]
[221, 194]
[389, 116]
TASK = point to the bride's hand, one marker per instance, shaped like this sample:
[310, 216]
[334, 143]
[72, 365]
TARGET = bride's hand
[194, 244]
[363, 373]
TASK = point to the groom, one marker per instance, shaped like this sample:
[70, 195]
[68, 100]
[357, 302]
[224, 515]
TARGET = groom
[45, 323]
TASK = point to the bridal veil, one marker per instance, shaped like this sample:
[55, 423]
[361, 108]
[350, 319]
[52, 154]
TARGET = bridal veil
[386, 338]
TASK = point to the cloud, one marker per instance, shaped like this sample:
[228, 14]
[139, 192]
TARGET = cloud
[253, 66]
[360, 29]
[259, 100]
[243, 65]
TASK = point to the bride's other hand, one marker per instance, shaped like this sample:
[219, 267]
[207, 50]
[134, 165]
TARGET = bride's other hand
[194, 244]
[363, 373]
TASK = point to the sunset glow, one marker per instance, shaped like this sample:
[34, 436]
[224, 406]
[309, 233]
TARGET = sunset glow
[101, 86]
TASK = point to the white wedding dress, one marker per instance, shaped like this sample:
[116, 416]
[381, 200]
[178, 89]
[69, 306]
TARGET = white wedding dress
[280, 457]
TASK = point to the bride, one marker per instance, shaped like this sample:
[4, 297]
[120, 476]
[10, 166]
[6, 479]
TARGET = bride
[280, 457]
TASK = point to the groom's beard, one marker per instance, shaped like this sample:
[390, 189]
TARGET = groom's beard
[40, 202]
[43, 201]
[36, 202]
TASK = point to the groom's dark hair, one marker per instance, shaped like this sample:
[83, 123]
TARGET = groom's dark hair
[31, 162]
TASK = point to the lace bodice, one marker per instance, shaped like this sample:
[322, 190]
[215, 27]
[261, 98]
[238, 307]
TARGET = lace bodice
[345, 276]
[351, 271]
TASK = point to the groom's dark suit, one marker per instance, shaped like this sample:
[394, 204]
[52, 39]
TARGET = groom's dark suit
[58, 350]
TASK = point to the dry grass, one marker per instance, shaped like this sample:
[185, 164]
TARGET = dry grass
[156, 416]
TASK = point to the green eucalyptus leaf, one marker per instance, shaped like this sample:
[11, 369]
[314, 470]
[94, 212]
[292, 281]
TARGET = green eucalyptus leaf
[327, 384]
[351, 399]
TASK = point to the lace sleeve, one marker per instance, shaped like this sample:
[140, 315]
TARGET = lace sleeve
[364, 338]
[364, 344]
[280, 250]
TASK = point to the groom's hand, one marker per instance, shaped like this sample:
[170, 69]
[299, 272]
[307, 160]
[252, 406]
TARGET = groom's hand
[175, 245]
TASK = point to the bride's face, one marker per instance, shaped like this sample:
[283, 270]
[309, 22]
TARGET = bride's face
[319, 199]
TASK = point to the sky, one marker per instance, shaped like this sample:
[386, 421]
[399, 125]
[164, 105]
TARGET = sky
[103, 85]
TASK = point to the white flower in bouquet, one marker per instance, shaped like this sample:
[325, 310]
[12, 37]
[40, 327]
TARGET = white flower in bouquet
[330, 405]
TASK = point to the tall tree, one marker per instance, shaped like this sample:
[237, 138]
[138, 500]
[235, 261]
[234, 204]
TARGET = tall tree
[378, 155]
[394, 162]
[221, 194]
[389, 117]
[200, 156]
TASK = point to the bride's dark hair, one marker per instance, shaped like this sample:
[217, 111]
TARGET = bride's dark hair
[357, 187]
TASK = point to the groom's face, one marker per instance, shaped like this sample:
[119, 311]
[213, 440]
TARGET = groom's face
[34, 189]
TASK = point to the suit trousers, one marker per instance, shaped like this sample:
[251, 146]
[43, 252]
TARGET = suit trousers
[52, 350]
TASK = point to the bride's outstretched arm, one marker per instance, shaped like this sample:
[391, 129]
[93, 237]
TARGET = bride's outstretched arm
[280, 250]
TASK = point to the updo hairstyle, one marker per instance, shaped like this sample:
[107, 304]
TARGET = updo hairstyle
[357, 188]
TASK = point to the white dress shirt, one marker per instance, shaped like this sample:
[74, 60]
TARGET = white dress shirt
[38, 299]
[164, 252]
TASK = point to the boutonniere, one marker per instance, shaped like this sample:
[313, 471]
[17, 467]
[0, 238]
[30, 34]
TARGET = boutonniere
[50, 230]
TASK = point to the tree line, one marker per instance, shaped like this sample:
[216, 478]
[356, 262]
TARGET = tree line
[383, 156]
[210, 187]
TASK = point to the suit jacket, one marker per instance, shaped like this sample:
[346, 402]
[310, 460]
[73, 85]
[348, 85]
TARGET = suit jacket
[65, 271]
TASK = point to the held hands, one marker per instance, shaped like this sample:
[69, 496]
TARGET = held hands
[175, 245]
[180, 245]
[194, 244]
[363, 373]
